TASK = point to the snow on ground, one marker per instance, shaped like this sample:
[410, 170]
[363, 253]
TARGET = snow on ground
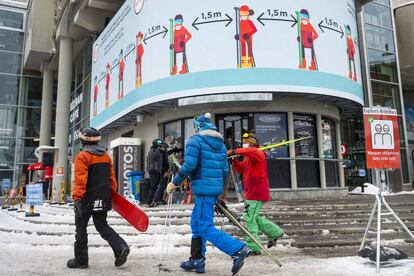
[42, 246]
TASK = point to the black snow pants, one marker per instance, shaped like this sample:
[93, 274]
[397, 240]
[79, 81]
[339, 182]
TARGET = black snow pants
[155, 178]
[101, 225]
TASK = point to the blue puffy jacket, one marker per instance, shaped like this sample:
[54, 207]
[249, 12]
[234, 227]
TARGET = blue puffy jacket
[205, 161]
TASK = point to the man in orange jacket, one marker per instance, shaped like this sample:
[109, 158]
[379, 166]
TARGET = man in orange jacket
[256, 191]
[94, 179]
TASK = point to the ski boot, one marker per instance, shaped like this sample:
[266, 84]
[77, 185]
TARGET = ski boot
[249, 63]
[355, 77]
[256, 253]
[243, 62]
[183, 69]
[73, 263]
[303, 65]
[272, 243]
[238, 259]
[350, 74]
[122, 256]
[313, 66]
[198, 265]
[174, 70]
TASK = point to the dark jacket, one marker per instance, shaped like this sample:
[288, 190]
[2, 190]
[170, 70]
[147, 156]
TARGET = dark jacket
[155, 160]
[94, 179]
[205, 161]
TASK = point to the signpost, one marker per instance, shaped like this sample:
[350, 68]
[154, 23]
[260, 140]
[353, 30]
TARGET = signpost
[34, 196]
[382, 153]
[6, 185]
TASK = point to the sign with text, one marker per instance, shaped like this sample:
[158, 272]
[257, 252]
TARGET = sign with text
[6, 185]
[382, 138]
[34, 194]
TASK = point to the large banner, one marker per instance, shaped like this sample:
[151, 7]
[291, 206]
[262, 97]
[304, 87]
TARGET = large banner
[382, 138]
[159, 50]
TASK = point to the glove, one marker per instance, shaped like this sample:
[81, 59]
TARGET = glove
[298, 38]
[246, 36]
[77, 205]
[231, 152]
[182, 44]
[310, 41]
[236, 36]
[171, 188]
[171, 46]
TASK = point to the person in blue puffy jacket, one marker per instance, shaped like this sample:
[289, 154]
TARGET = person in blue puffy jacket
[205, 162]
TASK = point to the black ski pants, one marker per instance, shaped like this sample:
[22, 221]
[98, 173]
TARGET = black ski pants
[101, 225]
[159, 194]
[155, 178]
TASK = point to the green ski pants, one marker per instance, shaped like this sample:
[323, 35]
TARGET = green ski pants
[256, 223]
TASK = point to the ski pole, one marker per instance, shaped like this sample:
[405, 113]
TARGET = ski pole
[238, 33]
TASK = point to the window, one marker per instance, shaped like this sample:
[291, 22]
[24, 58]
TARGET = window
[328, 138]
[188, 130]
[10, 63]
[382, 65]
[8, 119]
[378, 15]
[271, 129]
[384, 94]
[380, 39]
[9, 89]
[31, 94]
[7, 152]
[11, 19]
[305, 126]
[11, 41]
[172, 134]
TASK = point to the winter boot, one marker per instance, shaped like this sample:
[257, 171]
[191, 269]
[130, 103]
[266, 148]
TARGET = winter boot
[174, 70]
[249, 63]
[183, 68]
[303, 65]
[313, 65]
[73, 263]
[198, 265]
[238, 259]
[272, 243]
[121, 258]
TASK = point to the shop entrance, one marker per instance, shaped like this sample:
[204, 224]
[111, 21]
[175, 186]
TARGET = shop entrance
[232, 127]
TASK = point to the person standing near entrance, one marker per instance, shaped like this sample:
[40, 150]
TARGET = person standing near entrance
[205, 161]
[256, 191]
[94, 179]
[154, 161]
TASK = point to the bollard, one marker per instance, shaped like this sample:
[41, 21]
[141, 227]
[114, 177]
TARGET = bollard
[20, 200]
[32, 212]
[6, 200]
[12, 205]
[62, 194]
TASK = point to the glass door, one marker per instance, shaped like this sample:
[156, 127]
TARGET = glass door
[232, 127]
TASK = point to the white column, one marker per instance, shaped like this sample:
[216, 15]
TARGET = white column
[47, 106]
[322, 173]
[338, 148]
[292, 154]
[62, 115]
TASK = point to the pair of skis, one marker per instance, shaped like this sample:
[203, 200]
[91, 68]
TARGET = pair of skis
[237, 223]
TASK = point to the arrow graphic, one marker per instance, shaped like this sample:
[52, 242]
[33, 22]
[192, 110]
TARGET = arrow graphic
[261, 19]
[332, 29]
[130, 51]
[165, 31]
[228, 20]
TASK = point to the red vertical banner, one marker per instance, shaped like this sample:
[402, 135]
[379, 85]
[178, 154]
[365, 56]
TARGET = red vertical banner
[382, 138]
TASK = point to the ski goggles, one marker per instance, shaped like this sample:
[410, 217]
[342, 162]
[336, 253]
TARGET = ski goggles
[178, 21]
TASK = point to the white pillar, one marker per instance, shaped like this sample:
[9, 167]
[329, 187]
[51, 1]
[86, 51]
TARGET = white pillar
[322, 173]
[338, 147]
[62, 116]
[292, 153]
[47, 106]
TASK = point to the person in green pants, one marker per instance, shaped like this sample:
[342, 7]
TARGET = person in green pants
[253, 167]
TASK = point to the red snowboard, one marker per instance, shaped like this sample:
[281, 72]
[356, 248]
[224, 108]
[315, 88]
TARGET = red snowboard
[135, 216]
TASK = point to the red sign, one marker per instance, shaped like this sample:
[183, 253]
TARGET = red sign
[382, 138]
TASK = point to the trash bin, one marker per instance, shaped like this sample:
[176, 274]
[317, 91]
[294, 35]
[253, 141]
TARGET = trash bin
[134, 179]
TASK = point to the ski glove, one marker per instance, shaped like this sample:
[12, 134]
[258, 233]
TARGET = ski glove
[310, 41]
[171, 188]
[77, 205]
[236, 36]
[246, 36]
[171, 46]
[231, 152]
[182, 44]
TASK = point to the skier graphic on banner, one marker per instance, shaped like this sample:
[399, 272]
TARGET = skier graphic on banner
[246, 30]
[306, 37]
[121, 75]
[351, 53]
[138, 61]
[180, 38]
[107, 82]
[95, 95]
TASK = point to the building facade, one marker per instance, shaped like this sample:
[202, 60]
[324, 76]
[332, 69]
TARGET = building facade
[132, 69]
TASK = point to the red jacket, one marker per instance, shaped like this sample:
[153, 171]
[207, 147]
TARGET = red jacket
[351, 48]
[254, 171]
[307, 31]
[181, 35]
